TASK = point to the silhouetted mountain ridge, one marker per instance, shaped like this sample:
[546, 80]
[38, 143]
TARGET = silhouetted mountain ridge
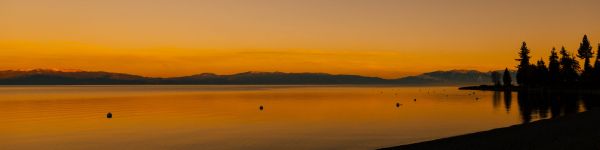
[450, 77]
[58, 77]
[46, 76]
[275, 78]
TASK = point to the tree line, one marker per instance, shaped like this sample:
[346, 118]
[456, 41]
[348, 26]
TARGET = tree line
[562, 70]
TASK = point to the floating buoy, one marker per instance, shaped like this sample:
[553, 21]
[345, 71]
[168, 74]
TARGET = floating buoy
[261, 107]
[397, 104]
[415, 99]
[109, 115]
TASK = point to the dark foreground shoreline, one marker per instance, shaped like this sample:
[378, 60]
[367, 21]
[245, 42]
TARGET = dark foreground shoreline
[572, 132]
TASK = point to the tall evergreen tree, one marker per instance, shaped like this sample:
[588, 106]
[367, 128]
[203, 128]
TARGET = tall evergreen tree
[597, 63]
[506, 78]
[585, 52]
[569, 68]
[523, 71]
[595, 75]
[553, 68]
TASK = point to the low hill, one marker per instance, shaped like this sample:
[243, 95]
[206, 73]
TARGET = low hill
[451, 77]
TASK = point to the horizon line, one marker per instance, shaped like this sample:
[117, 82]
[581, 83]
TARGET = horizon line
[200, 73]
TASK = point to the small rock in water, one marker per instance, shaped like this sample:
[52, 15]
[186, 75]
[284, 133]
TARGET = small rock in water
[109, 115]
[398, 104]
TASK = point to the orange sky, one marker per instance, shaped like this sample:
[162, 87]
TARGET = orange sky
[385, 38]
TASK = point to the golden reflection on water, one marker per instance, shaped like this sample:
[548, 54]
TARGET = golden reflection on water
[228, 117]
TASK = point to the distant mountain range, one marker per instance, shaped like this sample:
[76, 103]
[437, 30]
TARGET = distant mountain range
[57, 77]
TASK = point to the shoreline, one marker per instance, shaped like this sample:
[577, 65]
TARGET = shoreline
[557, 90]
[575, 131]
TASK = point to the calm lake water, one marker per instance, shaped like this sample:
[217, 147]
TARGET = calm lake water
[228, 117]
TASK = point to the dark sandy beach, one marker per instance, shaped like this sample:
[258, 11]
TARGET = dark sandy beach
[571, 132]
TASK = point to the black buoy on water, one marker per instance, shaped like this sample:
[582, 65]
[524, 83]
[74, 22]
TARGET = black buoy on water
[261, 107]
[415, 99]
[109, 115]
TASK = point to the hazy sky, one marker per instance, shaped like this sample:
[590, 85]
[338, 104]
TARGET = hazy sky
[385, 38]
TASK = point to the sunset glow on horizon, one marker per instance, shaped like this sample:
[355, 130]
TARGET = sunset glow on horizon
[386, 38]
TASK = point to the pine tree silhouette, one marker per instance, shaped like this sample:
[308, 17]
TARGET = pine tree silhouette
[506, 78]
[585, 52]
[595, 75]
[553, 68]
[569, 68]
[523, 71]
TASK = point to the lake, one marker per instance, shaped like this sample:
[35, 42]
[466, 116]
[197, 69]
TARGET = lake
[228, 117]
